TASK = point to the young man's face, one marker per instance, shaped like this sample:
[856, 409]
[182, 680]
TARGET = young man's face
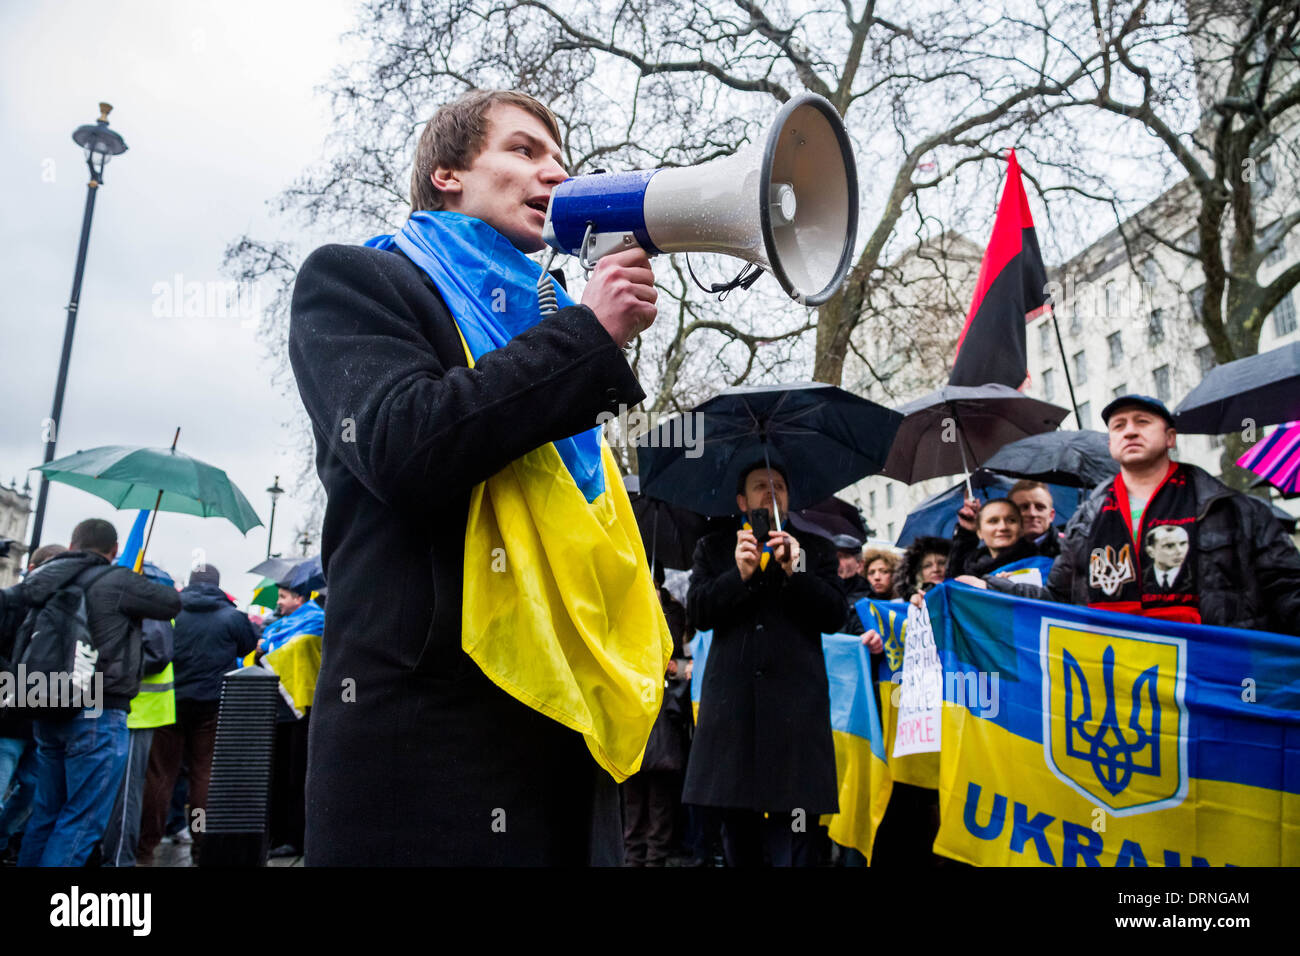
[758, 492]
[1036, 511]
[1139, 437]
[288, 602]
[508, 184]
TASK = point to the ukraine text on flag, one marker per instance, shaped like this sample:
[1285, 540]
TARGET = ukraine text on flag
[1115, 740]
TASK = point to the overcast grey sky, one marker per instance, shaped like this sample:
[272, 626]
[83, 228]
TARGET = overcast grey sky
[217, 104]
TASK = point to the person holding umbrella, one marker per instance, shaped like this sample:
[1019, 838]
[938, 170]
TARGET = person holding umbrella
[1239, 568]
[763, 751]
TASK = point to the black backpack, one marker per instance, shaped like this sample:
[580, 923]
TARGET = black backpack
[54, 655]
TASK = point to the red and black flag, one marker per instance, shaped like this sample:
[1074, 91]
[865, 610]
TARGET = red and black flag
[1011, 290]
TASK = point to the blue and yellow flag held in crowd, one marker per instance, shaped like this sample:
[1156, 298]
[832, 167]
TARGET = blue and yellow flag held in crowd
[1074, 737]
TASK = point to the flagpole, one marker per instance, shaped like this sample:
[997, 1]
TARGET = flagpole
[1065, 364]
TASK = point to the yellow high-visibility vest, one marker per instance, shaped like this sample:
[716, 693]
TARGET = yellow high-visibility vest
[155, 704]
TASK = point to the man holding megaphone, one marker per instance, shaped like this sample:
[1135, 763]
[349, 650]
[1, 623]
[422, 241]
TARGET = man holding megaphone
[481, 554]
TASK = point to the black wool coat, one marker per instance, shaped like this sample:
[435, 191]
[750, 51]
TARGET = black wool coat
[415, 757]
[763, 740]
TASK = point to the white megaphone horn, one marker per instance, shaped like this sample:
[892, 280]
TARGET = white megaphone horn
[788, 205]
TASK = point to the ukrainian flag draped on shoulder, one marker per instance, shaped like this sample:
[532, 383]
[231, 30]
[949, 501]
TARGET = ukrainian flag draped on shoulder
[558, 608]
[291, 648]
[1077, 737]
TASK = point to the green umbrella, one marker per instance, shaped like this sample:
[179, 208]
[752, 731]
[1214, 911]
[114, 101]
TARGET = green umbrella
[160, 479]
[266, 594]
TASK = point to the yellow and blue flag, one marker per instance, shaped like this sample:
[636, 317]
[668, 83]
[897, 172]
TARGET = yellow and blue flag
[861, 768]
[1074, 737]
[129, 556]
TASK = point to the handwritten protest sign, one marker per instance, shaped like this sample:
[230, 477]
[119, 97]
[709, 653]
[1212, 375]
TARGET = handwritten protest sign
[920, 706]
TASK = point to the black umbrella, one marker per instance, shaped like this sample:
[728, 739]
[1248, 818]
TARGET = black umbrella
[955, 429]
[1077, 459]
[836, 516]
[277, 569]
[824, 437]
[668, 533]
[1264, 389]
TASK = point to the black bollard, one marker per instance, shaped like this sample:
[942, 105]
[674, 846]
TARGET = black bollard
[235, 831]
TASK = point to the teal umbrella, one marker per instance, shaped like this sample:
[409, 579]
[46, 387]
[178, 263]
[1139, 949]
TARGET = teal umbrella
[159, 479]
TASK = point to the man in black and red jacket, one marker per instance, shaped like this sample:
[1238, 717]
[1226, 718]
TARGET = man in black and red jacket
[1236, 565]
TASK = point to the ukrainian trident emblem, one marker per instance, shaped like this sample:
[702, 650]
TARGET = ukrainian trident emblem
[1114, 723]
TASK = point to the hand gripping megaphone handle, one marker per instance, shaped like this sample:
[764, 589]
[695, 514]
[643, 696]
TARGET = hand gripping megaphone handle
[597, 245]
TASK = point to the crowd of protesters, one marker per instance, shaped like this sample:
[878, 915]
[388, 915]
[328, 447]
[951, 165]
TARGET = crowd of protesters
[1203, 554]
[105, 784]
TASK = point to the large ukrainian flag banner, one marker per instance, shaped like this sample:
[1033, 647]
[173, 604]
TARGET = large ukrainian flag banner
[860, 765]
[1111, 739]
[890, 619]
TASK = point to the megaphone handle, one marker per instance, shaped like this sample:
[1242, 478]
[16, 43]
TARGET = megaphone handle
[597, 245]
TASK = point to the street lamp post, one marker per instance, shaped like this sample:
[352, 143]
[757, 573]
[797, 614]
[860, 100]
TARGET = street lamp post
[305, 543]
[275, 491]
[100, 144]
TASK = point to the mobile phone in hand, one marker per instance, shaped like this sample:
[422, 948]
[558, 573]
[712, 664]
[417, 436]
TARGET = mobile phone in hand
[760, 524]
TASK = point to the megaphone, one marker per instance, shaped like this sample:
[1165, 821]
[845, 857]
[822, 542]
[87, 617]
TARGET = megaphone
[788, 205]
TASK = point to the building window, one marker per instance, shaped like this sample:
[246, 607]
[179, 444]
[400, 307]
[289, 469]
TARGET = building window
[1085, 414]
[1150, 273]
[1112, 298]
[1284, 316]
[1191, 241]
[891, 531]
[1076, 320]
[1049, 384]
[1119, 390]
[1080, 369]
[1045, 337]
[1162, 383]
[871, 497]
[1156, 327]
[1197, 296]
[889, 496]
[1116, 346]
[1205, 359]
